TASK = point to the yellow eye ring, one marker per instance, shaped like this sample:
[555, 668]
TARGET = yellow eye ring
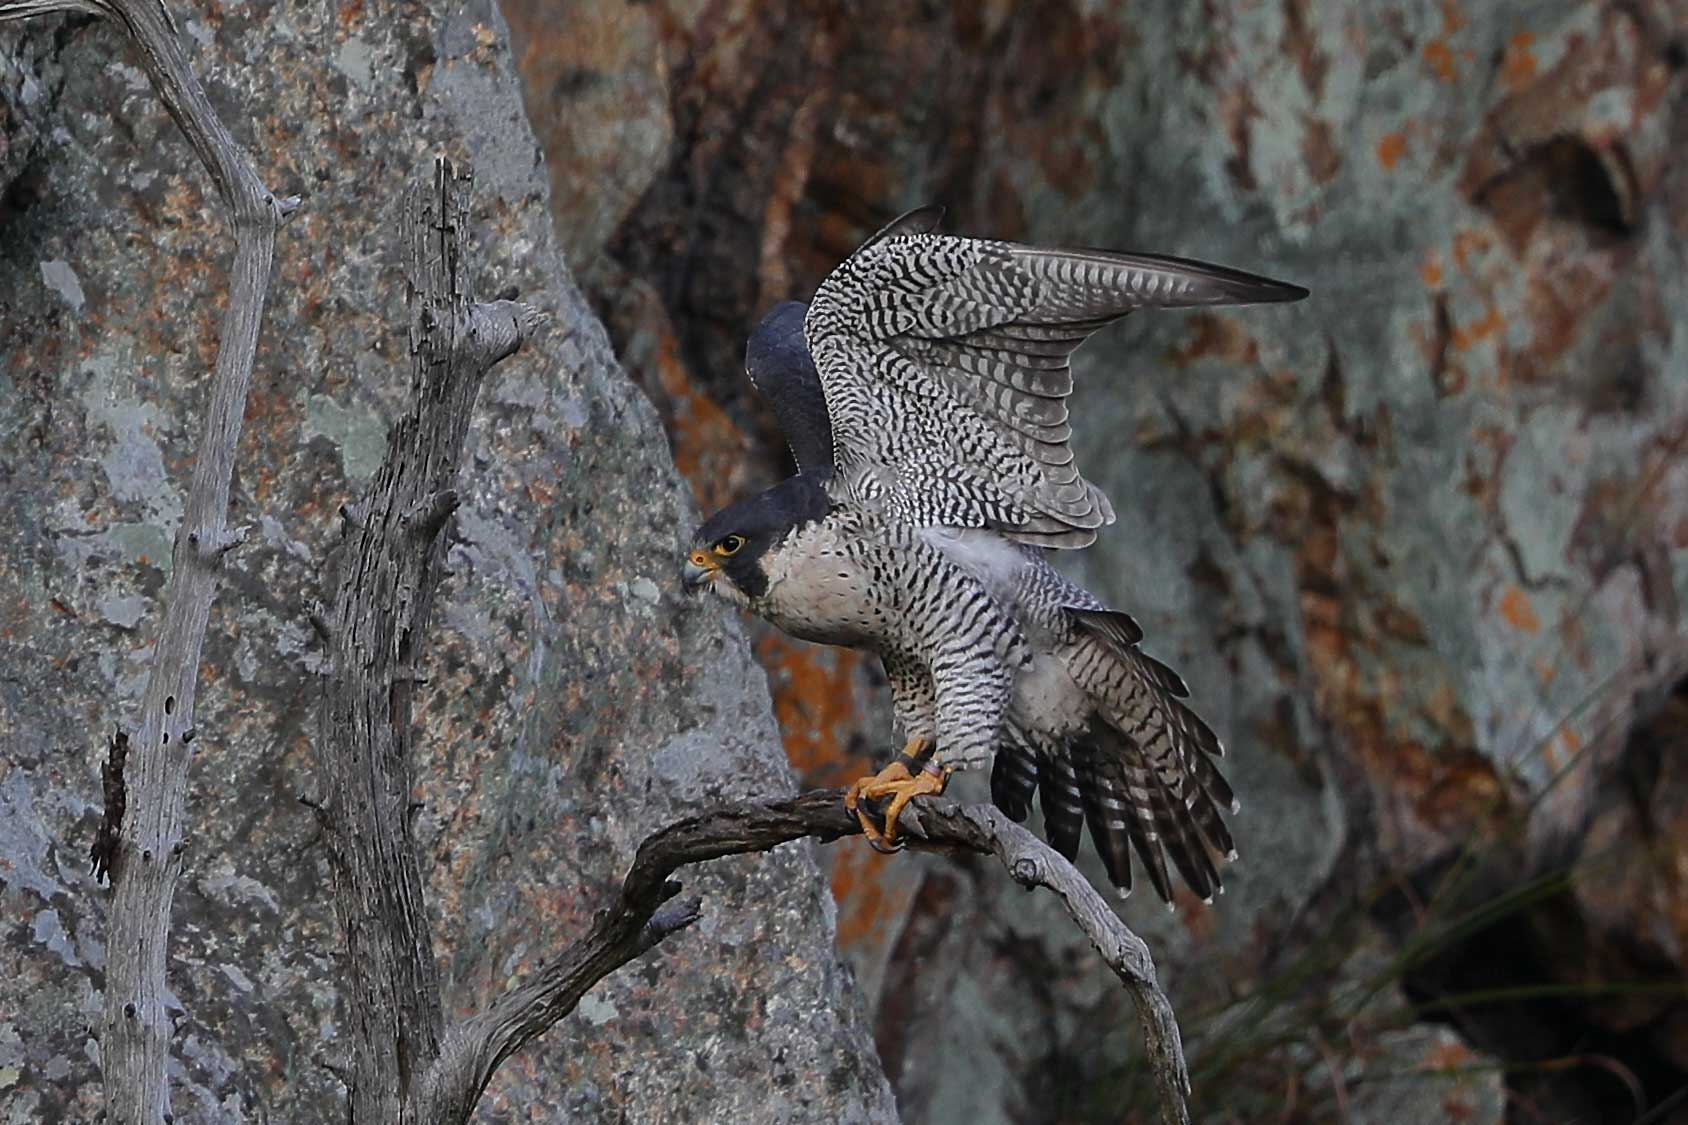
[730, 545]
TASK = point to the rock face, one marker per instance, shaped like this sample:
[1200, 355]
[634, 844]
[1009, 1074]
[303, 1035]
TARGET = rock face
[1417, 544]
[574, 704]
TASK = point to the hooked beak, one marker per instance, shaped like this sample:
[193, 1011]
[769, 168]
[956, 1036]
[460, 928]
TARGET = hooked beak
[699, 571]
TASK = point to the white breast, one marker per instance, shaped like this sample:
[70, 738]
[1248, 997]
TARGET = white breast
[817, 591]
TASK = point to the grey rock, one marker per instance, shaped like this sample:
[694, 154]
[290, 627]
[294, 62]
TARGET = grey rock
[575, 701]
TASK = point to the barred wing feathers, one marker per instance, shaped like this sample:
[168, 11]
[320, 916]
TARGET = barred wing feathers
[945, 366]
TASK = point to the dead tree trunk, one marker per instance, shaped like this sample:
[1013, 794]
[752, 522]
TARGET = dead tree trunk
[146, 802]
[390, 568]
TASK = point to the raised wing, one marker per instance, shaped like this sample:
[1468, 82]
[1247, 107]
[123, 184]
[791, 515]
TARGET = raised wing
[944, 365]
[780, 368]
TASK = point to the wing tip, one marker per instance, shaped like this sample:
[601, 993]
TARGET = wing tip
[1274, 292]
[1226, 286]
[1151, 280]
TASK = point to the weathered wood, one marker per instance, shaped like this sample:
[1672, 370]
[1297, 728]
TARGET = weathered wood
[146, 858]
[647, 910]
[390, 569]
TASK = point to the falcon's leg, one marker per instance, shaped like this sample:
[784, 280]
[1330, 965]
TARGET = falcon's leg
[966, 692]
[902, 784]
[915, 704]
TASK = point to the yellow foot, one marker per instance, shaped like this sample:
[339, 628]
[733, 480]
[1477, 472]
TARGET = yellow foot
[896, 782]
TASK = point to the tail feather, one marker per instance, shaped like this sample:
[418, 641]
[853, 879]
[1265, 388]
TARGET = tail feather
[1184, 844]
[1169, 831]
[1063, 804]
[1142, 791]
[1210, 781]
[1211, 794]
[1108, 811]
[1014, 780]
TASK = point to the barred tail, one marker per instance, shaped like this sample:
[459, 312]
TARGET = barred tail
[1062, 797]
[1127, 804]
[1014, 780]
[1146, 769]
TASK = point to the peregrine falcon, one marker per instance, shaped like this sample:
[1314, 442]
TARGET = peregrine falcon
[924, 393]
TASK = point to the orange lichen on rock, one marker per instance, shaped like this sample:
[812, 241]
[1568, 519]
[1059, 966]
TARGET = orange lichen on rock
[708, 446]
[1519, 613]
[1440, 58]
[1439, 53]
[1468, 244]
[1518, 64]
[1560, 749]
[1489, 325]
[868, 902]
[1390, 149]
[815, 704]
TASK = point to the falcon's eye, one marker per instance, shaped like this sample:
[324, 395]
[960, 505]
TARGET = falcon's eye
[731, 545]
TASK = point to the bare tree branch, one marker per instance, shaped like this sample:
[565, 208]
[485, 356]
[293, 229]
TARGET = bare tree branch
[390, 570]
[146, 858]
[646, 911]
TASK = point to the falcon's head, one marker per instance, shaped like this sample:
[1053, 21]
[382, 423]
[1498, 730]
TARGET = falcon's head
[730, 552]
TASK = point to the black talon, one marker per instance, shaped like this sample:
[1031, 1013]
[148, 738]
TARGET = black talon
[884, 849]
[869, 807]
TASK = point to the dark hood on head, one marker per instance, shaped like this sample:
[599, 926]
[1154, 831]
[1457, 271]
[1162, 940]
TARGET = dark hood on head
[772, 513]
[763, 521]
